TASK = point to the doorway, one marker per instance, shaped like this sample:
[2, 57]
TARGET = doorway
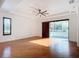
[59, 30]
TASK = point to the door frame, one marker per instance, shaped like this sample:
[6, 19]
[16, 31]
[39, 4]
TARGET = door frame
[58, 21]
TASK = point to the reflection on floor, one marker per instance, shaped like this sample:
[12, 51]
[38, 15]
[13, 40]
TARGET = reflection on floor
[39, 47]
[61, 47]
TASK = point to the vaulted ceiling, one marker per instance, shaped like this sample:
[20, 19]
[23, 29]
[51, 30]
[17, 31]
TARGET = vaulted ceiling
[27, 6]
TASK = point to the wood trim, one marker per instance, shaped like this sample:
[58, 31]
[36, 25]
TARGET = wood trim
[58, 20]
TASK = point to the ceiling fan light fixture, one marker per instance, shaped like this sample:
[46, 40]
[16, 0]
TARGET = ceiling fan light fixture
[40, 12]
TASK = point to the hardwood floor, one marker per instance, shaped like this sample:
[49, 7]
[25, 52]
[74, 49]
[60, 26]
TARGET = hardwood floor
[39, 48]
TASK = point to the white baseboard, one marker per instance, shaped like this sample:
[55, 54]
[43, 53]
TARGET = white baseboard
[2, 41]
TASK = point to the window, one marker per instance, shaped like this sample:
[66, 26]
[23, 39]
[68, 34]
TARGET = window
[6, 26]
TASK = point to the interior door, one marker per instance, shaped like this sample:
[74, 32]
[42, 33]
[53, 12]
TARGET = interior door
[45, 29]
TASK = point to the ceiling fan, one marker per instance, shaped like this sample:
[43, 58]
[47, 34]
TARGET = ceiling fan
[40, 12]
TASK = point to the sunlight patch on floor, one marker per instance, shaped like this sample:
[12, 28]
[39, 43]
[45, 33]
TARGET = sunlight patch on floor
[44, 42]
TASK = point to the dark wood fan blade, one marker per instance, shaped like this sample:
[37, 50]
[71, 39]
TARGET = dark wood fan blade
[44, 11]
[43, 14]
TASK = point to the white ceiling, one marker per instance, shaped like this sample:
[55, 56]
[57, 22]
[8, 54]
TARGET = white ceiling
[27, 6]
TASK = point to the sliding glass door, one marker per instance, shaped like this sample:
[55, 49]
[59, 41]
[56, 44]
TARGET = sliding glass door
[58, 29]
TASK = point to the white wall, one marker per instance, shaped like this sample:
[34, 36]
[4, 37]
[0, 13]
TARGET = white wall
[78, 27]
[72, 23]
[22, 27]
